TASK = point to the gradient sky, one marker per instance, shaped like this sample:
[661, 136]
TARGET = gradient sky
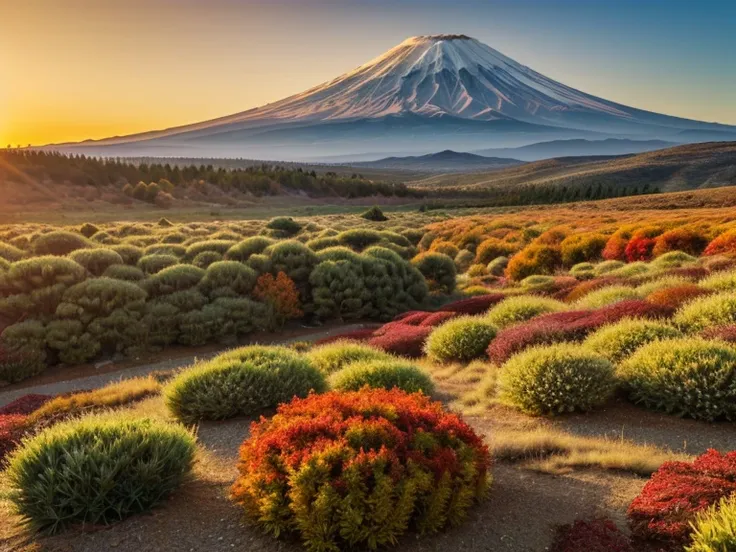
[77, 69]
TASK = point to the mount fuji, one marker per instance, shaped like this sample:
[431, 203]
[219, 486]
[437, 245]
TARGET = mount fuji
[429, 93]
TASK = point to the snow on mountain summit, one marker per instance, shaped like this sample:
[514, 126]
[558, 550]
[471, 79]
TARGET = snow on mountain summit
[436, 75]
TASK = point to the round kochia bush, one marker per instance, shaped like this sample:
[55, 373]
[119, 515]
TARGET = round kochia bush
[358, 469]
[617, 341]
[556, 379]
[97, 470]
[386, 374]
[707, 312]
[337, 355]
[241, 382]
[520, 309]
[460, 339]
[687, 377]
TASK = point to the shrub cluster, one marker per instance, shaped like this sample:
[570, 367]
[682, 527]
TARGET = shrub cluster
[358, 469]
[522, 308]
[618, 341]
[335, 356]
[565, 326]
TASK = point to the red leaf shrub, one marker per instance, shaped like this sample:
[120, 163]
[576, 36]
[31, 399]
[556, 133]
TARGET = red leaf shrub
[357, 468]
[615, 249]
[402, 340]
[12, 428]
[725, 244]
[415, 318]
[567, 326]
[357, 335]
[672, 298]
[639, 249]
[680, 239]
[474, 305]
[406, 315]
[437, 318]
[26, 404]
[282, 294]
[724, 333]
[675, 494]
[598, 535]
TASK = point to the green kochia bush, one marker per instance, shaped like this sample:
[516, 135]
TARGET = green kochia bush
[687, 377]
[96, 261]
[218, 246]
[333, 357]
[286, 225]
[241, 382]
[607, 296]
[130, 253]
[124, 272]
[386, 374]
[22, 351]
[228, 279]
[153, 264]
[97, 470]
[438, 269]
[522, 308]
[173, 279]
[59, 243]
[460, 339]
[250, 246]
[10, 253]
[34, 287]
[720, 281]
[707, 312]
[556, 379]
[618, 341]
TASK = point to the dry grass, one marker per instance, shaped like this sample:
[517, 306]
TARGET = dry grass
[553, 451]
[111, 396]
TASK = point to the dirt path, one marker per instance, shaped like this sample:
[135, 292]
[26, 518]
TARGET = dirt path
[91, 377]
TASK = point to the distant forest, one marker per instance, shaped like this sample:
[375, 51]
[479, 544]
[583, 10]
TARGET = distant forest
[259, 180]
[151, 179]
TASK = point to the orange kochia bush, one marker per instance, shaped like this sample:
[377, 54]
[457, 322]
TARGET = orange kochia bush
[281, 293]
[725, 244]
[357, 469]
[680, 239]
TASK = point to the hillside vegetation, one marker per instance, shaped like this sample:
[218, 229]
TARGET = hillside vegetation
[705, 165]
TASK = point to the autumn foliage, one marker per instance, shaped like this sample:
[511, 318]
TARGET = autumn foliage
[281, 293]
[677, 492]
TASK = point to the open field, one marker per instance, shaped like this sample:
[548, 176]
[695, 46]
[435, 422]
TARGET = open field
[586, 346]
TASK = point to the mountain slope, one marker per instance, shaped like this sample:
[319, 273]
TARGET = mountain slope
[444, 161]
[706, 165]
[570, 148]
[429, 90]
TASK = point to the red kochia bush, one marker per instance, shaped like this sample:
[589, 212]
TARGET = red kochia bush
[567, 326]
[598, 535]
[639, 249]
[615, 249]
[12, 428]
[437, 318]
[475, 305]
[677, 492]
[401, 339]
[724, 333]
[26, 404]
[725, 244]
[356, 469]
[676, 296]
[680, 239]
